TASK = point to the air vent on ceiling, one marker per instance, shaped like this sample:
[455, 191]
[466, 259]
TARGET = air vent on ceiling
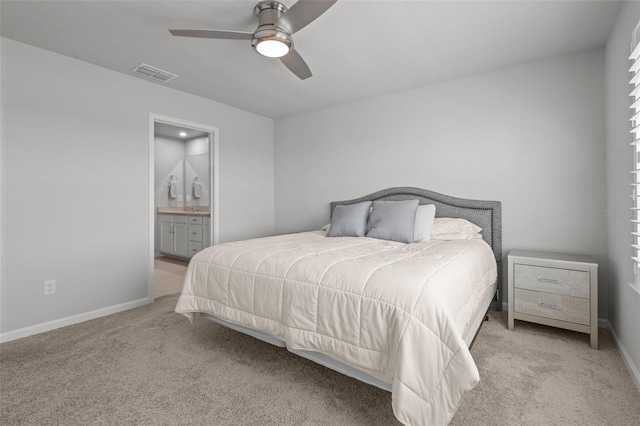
[153, 72]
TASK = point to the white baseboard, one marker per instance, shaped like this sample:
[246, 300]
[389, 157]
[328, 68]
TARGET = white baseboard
[624, 354]
[74, 319]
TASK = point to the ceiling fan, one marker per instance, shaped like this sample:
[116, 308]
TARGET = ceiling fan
[276, 25]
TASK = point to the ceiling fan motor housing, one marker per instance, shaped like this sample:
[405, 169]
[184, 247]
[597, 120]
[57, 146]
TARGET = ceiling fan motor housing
[268, 13]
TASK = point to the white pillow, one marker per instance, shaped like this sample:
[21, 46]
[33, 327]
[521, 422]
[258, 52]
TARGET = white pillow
[448, 225]
[326, 227]
[424, 221]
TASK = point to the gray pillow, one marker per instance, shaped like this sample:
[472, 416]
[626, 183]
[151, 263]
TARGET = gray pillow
[349, 221]
[393, 220]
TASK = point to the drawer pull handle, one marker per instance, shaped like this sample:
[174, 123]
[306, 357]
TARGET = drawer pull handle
[194, 250]
[549, 306]
[194, 233]
[549, 280]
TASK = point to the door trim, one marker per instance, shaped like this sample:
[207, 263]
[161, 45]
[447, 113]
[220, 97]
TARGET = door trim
[214, 187]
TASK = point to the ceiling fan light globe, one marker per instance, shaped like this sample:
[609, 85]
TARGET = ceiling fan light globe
[272, 48]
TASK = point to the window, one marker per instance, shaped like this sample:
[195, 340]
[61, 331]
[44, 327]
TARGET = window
[635, 131]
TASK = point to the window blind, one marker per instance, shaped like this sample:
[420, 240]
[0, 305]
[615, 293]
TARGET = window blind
[635, 144]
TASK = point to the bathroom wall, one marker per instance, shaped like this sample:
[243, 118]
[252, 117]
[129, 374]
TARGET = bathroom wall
[186, 160]
[169, 160]
[196, 164]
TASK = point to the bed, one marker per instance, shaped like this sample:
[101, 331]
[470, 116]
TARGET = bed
[401, 317]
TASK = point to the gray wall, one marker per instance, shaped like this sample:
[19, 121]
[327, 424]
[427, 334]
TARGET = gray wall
[624, 303]
[530, 136]
[75, 181]
[169, 160]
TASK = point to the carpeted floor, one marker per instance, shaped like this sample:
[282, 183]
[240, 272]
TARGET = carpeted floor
[150, 366]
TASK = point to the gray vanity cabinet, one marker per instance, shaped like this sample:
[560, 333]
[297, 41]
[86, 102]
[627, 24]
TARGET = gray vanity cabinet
[173, 235]
[182, 235]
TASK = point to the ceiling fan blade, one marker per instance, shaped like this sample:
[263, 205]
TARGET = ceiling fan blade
[303, 13]
[223, 34]
[296, 64]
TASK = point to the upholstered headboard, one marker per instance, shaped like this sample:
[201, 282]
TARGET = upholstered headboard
[485, 214]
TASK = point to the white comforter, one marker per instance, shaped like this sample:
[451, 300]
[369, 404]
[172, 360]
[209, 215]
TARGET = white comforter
[395, 311]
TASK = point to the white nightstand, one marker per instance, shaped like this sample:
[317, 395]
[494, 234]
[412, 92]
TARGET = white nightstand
[560, 290]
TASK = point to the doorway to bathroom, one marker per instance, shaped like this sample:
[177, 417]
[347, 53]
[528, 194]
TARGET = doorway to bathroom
[183, 198]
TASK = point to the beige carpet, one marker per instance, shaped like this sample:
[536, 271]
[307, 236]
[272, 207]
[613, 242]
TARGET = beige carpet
[149, 366]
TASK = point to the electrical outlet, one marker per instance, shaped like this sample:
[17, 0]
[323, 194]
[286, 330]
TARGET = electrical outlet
[49, 287]
[179, 198]
[188, 197]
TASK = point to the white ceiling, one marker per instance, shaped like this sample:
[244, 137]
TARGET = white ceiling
[356, 50]
[171, 131]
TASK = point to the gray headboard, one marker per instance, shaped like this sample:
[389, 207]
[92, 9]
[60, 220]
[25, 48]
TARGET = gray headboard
[485, 214]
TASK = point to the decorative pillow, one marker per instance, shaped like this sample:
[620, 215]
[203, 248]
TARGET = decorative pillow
[349, 220]
[452, 237]
[424, 221]
[448, 225]
[393, 220]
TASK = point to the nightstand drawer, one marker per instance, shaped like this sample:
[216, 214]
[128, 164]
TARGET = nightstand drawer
[554, 306]
[552, 280]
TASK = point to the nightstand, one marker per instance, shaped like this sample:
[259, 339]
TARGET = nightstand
[559, 290]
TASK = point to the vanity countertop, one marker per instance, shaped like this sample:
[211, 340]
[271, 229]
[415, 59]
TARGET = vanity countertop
[185, 211]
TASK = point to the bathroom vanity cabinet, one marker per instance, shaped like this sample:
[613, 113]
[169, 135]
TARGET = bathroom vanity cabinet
[182, 235]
